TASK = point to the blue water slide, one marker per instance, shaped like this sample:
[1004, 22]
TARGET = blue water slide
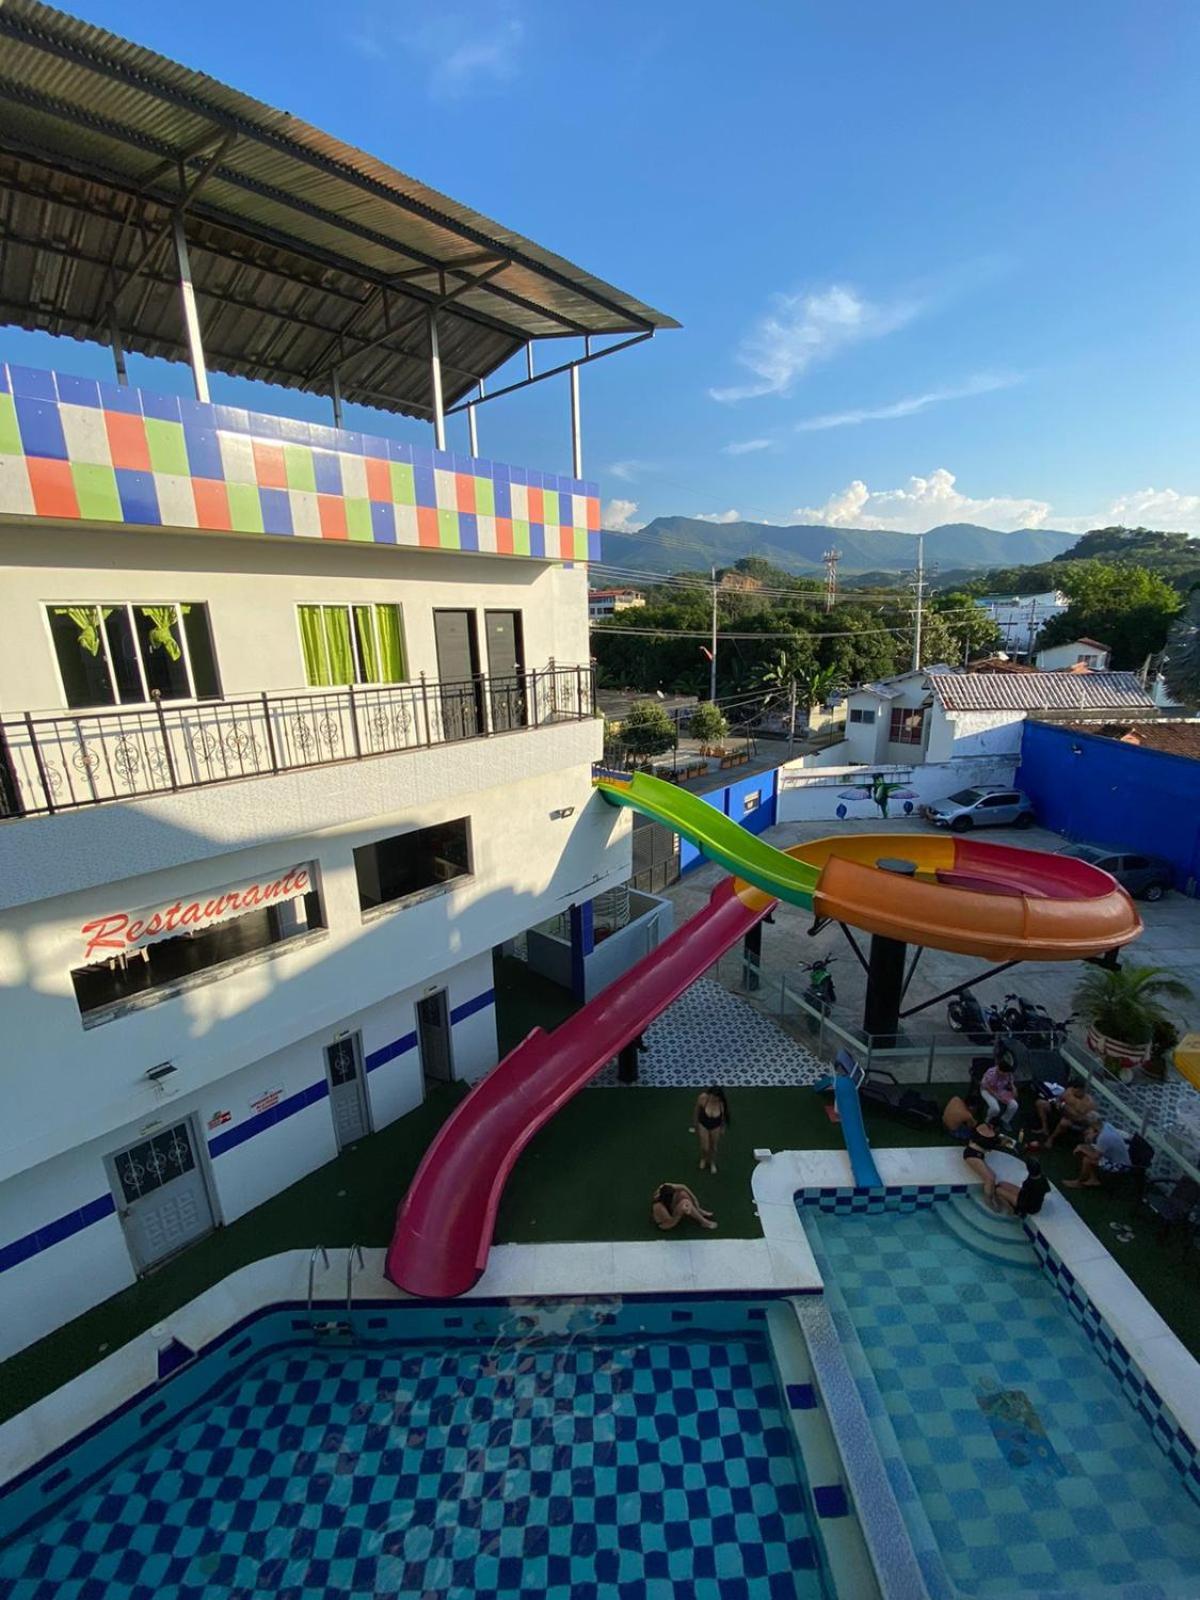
[846, 1077]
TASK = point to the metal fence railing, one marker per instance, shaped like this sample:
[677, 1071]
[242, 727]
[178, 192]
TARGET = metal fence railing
[61, 762]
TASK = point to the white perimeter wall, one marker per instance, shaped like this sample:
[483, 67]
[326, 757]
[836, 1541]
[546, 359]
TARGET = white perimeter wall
[65, 1278]
[955, 734]
[808, 794]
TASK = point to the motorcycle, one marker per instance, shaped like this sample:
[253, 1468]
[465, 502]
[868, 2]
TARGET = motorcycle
[820, 996]
[966, 1014]
[1031, 1023]
[1014, 1045]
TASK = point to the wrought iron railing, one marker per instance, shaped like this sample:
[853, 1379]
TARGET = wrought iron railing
[61, 762]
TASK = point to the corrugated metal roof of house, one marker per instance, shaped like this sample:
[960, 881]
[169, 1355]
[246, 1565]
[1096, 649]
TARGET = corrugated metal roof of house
[1039, 691]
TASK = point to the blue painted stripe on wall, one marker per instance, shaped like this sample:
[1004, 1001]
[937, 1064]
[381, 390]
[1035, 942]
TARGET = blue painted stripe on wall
[72, 1222]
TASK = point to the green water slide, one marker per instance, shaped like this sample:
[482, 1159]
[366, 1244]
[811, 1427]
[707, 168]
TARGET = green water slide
[716, 835]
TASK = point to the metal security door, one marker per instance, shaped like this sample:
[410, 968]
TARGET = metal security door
[506, 687]
[162, 1194]
[347, 1090]
[433, 1036]
[458, 674]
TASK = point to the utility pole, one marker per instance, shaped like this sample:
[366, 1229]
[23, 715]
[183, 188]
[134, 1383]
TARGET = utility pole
[920, 588]
[792, 723]
[712, 665]
[831, 558]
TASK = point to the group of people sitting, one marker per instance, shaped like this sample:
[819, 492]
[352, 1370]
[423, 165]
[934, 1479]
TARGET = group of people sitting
[985, 1122]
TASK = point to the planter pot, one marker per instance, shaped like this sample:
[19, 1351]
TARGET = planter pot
[1117, 1055]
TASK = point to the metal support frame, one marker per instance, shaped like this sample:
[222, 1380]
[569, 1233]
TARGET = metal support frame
[918, 952]
[335, 394]
[576, 433]
[191, 317]
[862, 960]
[118, 349]
[960, 988]
[473, 425]
[550, 372]
[435, 382]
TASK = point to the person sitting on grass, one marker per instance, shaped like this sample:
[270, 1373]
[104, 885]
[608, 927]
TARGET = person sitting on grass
[960, 1116]
[1076, 1112]
[999, 1091]
[1104, 1149]
[1027, 1200]
[672, 1202]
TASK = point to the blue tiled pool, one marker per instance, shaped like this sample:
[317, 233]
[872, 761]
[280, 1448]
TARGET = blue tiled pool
[566, 1451]
[1022, 1468]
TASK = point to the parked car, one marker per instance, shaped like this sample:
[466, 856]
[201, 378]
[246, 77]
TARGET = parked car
[988, 806]
[1147, 877]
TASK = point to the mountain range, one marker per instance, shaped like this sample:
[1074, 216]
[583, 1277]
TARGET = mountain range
[674, 544]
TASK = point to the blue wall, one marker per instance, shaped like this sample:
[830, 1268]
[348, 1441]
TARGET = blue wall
[1101, 791]
[732, 801]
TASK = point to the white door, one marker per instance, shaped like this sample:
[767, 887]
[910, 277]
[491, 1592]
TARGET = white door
[433, 1038]
[162, 1194]
[347, 1090]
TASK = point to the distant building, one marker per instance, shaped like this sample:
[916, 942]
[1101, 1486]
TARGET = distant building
[1022, 617]
[604, 602]
[940, 714]
[1089, 653]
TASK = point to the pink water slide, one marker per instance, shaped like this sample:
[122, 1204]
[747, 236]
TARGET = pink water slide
[445, 1225]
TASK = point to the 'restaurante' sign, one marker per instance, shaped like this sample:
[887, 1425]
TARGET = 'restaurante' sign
[122, 931]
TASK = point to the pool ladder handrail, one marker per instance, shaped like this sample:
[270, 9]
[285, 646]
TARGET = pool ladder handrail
[355, 1250]
[318, 1250]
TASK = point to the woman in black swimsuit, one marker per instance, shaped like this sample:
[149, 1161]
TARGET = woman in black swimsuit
[710, 1119]
[981, 1141]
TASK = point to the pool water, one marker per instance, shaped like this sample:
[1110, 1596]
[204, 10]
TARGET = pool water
[634, 1464]
[1033, 1473]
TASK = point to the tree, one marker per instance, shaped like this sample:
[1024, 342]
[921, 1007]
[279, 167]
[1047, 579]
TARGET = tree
[707, 723]
[1125, 1003]
[1181, 666]
[647, 730]
[1126, 607]
[962, 629]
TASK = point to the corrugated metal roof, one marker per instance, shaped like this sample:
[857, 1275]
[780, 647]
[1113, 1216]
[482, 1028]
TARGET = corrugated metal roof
[1038, 691]
[304, 250]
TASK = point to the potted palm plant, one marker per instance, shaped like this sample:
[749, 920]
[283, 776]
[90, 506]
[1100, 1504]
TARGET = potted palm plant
[1122, 1007]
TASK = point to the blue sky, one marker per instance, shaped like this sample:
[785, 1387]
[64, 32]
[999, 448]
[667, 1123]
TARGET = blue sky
[934, 261]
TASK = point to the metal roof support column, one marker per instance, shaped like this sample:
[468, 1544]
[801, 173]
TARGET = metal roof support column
[576, 433]
[472, 425]
[335, 394]
[435, 375]
[191, 317]
[118, 349]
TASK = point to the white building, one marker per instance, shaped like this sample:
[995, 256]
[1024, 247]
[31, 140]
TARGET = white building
[1079, 653]
[606, 602]
[297, 722]
[1022, 617]
[940, 714]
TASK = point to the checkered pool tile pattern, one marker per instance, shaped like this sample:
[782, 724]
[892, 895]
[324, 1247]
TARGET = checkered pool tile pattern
[588, 1470]
[944, 1336]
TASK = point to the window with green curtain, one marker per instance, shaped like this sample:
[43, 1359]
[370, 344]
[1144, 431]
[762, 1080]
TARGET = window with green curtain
[364, 633]
[394, 669]
[312, 642]
[339, 645]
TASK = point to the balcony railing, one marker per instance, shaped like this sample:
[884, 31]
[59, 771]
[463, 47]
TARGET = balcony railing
[87, 758]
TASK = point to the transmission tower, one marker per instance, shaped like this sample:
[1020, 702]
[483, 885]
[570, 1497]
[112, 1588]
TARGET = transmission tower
[831, 558]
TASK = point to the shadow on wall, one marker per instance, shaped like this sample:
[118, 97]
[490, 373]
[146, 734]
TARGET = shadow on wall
[1100, 791]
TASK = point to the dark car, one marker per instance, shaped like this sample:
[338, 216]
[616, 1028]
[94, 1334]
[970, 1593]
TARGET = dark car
[1147, 877]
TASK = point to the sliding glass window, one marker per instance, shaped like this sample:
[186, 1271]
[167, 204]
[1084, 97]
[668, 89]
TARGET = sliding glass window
[352, 644]
[125, 654]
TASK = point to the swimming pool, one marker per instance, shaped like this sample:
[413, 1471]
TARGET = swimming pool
[1021, 1467]
[583, 1449]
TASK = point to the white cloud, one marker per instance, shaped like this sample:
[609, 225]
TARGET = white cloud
[625, 470]
[462, 54]
[745, 447]
[620, 516]
[802, 329]
[1165, 509]
[923, 504]
[719, 516]
[982, 383]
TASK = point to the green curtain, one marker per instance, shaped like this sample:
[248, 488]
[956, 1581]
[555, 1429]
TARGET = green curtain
[312, 643]
[161, 637]
[391, 644]
[364, 632]
[87, 619]
[341, 649]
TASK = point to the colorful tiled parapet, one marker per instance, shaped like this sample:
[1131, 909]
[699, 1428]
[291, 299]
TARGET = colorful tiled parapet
[75, 449]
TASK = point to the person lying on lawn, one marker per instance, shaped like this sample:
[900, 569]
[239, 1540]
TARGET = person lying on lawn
[672, 1202]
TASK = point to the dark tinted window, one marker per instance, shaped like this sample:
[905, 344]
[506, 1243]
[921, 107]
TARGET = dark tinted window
[391, 869]
[1135, 863]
